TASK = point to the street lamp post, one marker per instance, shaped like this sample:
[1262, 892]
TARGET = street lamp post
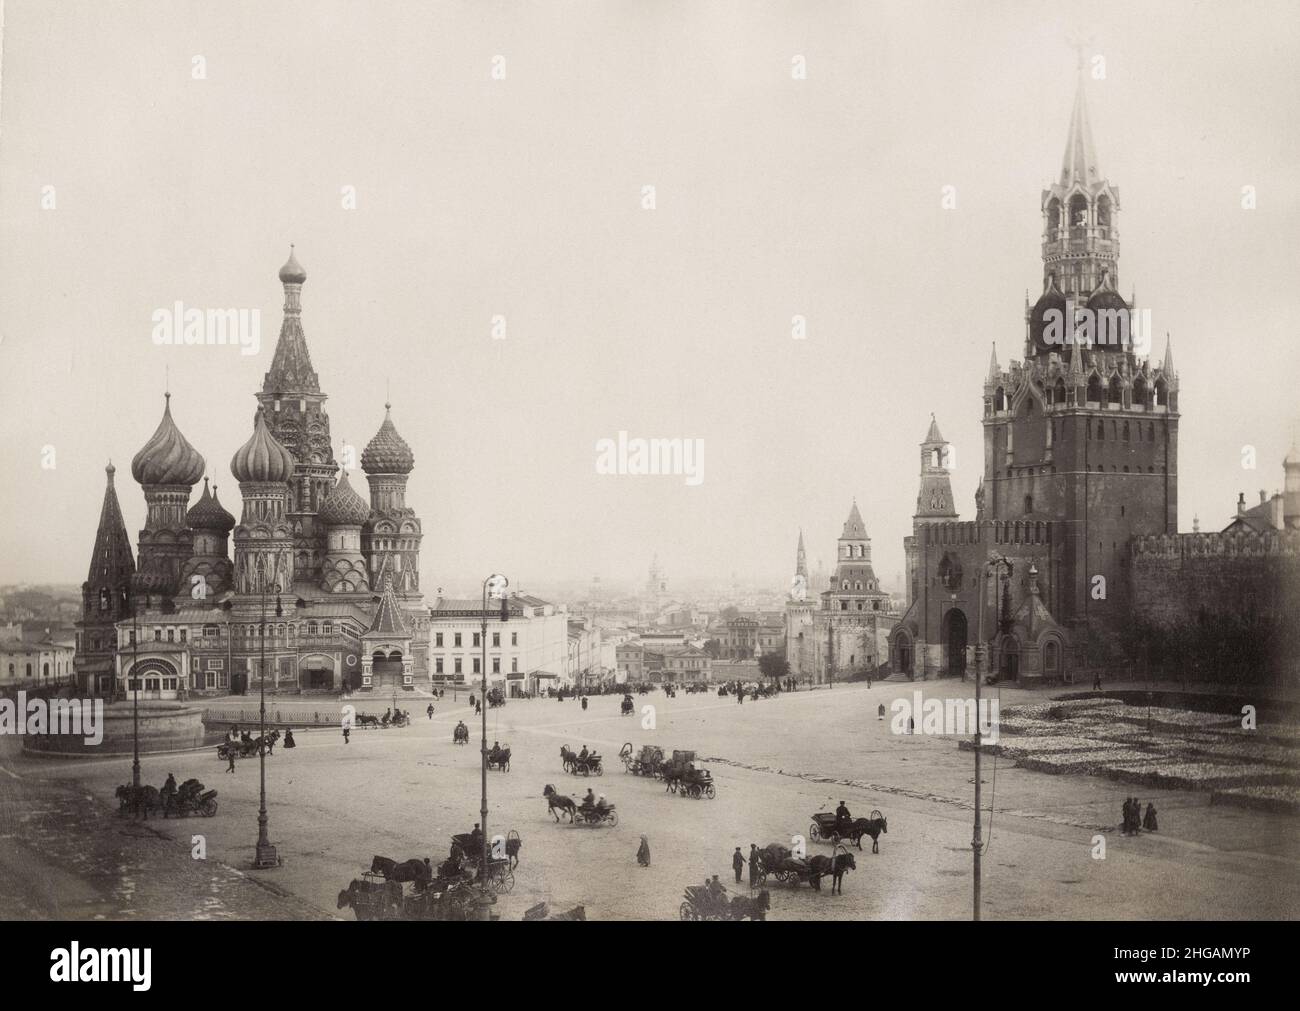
[265, 854]
[994, 565]
[135, 698]
[498, 584]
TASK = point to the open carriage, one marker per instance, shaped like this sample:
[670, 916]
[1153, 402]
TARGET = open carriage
[373, 897]
[500, 876]
[627, 706]
[496, 697]
[826, 828]
[247, 748]
[682, 777]
[189, 798]
[644, 763]
[576, 764]
[498, 757]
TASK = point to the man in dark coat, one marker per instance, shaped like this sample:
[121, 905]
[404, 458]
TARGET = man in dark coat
[754, 861]
[737, 863]
[1149, 822]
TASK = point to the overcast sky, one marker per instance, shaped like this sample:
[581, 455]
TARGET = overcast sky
[522, 198]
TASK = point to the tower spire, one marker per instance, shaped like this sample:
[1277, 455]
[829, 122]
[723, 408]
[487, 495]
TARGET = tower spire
[994, 370]
[1169, 355]
[1080, 161]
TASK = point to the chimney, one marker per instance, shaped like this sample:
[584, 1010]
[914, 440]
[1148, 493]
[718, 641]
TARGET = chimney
[1241, 503]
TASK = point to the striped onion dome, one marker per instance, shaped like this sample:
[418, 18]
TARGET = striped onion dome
[167, 458]
[262, 458]
[387, 452]
[208, 514]
[344, 507]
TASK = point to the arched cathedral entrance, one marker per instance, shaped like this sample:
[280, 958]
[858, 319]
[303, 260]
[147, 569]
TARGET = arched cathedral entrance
[954, 640]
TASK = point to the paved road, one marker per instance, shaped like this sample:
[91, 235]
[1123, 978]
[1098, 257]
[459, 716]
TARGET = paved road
[402, 793]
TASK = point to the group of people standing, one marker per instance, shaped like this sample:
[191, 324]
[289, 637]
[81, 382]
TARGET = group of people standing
[738, 863]
[1134, 821]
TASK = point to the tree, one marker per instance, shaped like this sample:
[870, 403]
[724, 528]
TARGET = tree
[714, 648]
[731, 612]
[774, 666]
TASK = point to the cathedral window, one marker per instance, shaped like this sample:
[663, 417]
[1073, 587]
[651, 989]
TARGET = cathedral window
[1101, 430]
[1113, 394]
[1029, 504]
[1094, 390]
[1162, 394]
[1151, 431]
[103, 600]
[999, 400]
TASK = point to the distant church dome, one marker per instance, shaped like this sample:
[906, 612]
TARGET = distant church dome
[344, 507]
[208, 514]
[1051, 299]
[387, 452]
[167, 458]
[292, 272]
[262, 458]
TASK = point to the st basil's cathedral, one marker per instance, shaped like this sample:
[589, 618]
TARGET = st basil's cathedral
[333, 578]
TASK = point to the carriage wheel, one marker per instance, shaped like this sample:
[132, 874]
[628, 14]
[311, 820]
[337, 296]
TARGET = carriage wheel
[613, 819]
[508, 882]
[209, 807]
[709, 791]
[814, 832]
[600, 770]
[686, 912]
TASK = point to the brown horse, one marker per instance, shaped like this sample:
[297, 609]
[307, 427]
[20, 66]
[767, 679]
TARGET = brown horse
[555, 802]
[413, 870]
[872, 826]
[836, 867]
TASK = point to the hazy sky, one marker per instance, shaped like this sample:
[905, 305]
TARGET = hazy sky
[522, 198]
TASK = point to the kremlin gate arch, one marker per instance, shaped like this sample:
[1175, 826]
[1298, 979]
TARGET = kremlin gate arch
[954, 639]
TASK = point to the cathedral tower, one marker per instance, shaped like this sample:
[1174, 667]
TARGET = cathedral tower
[167, 467]
[343, 515]
[105, 595]
[264, 539]
[295, 408]
[390, 538]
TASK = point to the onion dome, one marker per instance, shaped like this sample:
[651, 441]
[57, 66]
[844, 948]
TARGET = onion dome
[167, 458]
[207, 513]
[344, 507]
[1049, 309]
[262, 457]
[292, 272]
[387, 452]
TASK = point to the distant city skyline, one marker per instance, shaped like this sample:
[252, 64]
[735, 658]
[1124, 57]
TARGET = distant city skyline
[545, 309]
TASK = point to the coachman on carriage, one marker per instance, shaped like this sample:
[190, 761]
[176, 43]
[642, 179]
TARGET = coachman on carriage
[581, 763]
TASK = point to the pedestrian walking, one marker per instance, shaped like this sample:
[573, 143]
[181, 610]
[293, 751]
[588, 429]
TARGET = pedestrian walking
[911, 725]
[643, 853]
[230, 754]
[754, 861]
[430, 710]
[737, 864]
[880, 712]
[347, 735]
[1149, 822]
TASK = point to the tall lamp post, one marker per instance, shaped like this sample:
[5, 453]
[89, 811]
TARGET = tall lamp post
[992, 567]
[135, 697]
[497, 584]
[265, 855]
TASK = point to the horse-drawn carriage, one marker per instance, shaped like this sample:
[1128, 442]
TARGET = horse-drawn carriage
[499, 758]
[246, 746]
[391, 718]
[682, 777]
[598, 813]
[627, 706]
[646, 763]
[780, 863]
[826, 827]
[407, 891]
[460, 735]
[577, 764]
[496, 697]
[189, 798]
[709, 902]
[500, 876]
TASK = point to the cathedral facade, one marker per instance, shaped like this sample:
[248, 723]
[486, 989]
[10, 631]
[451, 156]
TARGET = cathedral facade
[323, 589]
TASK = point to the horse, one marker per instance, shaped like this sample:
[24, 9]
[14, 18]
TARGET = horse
[555, 802]
[499, 758]
[413, 870]
[834, 866]
[269, 741]
[140, 800]
[367, 720]
[743, 906]
[348, 897]
[872, 826]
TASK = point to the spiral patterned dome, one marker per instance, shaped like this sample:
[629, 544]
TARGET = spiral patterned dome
[344, 507]
[262, 457]
[207, 513]
[387, 452]
[292, 272]
[167, 458]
